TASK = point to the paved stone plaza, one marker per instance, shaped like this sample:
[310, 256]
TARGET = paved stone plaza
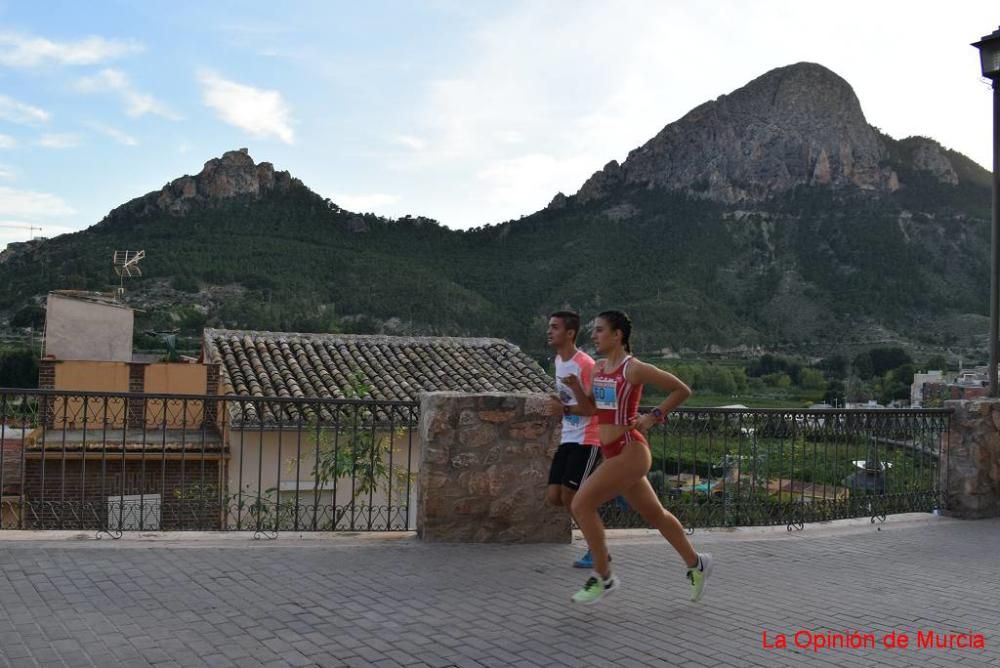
[391, 601]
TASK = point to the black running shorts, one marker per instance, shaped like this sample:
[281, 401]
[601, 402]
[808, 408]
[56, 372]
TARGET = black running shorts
[572, 464]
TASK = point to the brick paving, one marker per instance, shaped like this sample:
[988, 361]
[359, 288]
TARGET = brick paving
[393, 601]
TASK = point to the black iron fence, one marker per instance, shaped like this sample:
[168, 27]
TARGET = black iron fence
[115, 462]
[745, 467]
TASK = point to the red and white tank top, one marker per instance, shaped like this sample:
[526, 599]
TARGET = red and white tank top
[617, 399]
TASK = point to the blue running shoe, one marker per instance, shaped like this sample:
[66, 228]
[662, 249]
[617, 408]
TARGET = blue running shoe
[587, 561]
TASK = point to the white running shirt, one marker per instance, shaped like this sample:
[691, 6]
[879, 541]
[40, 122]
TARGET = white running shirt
[576, 428]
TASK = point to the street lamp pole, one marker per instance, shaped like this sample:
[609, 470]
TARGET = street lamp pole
[989, 54]
[995, 284]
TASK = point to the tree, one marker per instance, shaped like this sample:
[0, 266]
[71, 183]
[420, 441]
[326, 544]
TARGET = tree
[778, 380]
[903, 374]
[835, 366]
[719, 380]
[691, 374]
[937, 363]
[359, 453]
[856, 390]
[863, 367]
[740, 378]
[893, 390]
[812, 379]
[770, 364]
[834, 393]
[887, 359]
[767, 364]
[18, 368]
[30, 316]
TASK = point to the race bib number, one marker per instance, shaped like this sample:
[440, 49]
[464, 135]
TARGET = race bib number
[605, 394]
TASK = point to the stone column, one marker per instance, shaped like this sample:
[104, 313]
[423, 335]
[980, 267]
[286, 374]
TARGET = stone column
[970, 460]
[484, 469]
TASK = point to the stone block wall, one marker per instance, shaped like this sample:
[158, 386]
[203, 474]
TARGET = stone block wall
[484, 469]
[970, 471]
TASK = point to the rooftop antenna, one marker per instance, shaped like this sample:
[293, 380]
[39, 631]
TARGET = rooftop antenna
[126, 264]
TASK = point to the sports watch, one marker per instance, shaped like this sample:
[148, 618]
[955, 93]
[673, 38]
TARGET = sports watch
[658, 414]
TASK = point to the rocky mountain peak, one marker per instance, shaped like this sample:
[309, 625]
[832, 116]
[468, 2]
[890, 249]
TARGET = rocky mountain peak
[234, 174]
[795, 125]
[929, 156]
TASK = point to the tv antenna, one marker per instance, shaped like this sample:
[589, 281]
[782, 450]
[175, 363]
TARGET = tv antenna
[126, 264]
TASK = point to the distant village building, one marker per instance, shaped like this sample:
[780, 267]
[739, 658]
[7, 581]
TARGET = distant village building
[83, 325]
[129, 442]
[106, 455]
[917, 388]
[934, 388]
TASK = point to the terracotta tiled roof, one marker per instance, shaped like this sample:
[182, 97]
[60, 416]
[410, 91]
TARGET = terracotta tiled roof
[389, 368]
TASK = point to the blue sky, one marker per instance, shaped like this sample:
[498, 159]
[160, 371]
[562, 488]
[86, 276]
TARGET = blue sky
[468, 112]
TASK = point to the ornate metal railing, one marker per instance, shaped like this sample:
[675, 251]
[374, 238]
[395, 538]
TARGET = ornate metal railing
[113, 462]
[717, 467]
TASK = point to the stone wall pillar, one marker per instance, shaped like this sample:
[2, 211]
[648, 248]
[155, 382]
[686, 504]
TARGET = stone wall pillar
[484, 469]
[970, 460]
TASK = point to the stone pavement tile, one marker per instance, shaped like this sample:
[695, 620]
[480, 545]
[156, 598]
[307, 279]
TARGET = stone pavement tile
[23, 662]
[15, 651]
[46, 655]
[342, 604]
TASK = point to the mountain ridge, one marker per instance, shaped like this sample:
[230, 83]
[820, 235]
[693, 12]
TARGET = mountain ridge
[773, 215]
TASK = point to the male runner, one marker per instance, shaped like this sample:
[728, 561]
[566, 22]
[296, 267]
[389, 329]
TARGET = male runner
[579, 449]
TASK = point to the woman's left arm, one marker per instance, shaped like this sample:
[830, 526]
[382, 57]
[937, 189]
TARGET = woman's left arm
[641, 373]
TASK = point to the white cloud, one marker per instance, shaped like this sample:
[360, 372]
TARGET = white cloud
[30, 204]
[557, 89]
[259, 112]
[525, 183]
[19, 50]
[6, 141]
[19, 112]
[511, 137]
[59, 141]
[136, 103]
[364, 202]
[415, 143]
[6, 172]
[114, 133]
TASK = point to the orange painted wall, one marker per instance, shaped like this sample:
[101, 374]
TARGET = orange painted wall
[160, 378]
[86, 376]
[164, 378]
[92, 376]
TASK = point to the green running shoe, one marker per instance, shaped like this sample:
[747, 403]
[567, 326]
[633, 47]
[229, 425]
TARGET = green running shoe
[595, 588]
[699, 574]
